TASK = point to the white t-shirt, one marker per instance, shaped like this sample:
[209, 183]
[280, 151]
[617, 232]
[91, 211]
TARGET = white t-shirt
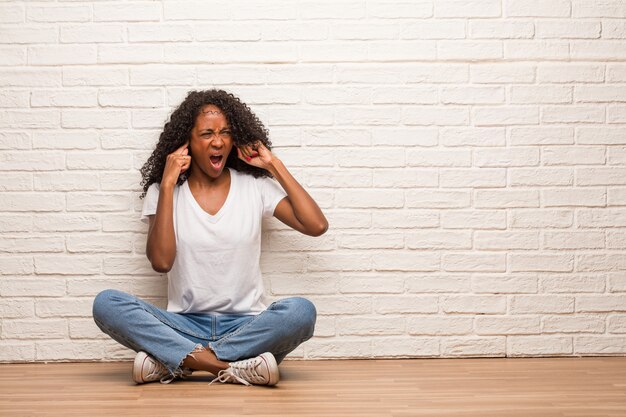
[217, 269]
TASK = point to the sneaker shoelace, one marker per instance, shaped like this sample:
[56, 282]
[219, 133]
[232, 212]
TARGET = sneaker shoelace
[156, 370]
[242, 372]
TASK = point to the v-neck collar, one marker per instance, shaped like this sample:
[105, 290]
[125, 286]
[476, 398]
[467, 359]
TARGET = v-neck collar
[212, 217]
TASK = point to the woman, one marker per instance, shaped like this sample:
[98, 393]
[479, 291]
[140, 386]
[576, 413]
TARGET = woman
[206, 188]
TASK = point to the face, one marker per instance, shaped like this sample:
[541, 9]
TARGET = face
[211, 142]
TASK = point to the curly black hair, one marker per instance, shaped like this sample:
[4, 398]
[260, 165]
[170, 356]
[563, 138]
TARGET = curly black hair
[245, 126]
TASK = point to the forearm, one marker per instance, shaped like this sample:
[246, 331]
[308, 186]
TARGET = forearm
[161, 244]
[305, 209]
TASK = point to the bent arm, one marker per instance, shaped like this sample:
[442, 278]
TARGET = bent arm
[298, 210]
[161, 243]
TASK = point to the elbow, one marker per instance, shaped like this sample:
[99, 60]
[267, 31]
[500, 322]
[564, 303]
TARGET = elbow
[161, 265]
[319, 230]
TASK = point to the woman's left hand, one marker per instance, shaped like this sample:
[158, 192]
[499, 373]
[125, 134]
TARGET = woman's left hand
[256, 155]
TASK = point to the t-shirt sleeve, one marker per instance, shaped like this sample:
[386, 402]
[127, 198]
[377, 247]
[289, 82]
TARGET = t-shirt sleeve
[150, 202]
[271, 194]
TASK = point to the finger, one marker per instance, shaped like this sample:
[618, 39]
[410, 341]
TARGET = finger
[182, 148]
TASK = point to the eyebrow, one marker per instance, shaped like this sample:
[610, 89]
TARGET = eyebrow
[210, 130]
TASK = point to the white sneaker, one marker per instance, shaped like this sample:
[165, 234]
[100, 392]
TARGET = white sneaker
[148, 369]
[261, 370]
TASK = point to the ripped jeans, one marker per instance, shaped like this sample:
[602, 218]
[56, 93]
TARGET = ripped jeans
[171, 337]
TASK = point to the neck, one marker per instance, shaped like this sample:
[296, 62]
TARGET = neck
[199, 179]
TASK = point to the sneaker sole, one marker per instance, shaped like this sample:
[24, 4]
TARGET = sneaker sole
[140, 359]
[272, 366]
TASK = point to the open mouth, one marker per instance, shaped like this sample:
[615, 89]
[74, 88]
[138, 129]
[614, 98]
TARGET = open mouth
[216, 160]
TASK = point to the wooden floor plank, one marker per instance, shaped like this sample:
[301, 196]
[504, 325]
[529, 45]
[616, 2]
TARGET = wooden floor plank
[489, 387]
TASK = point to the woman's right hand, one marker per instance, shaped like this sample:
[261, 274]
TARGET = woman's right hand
[176, 163]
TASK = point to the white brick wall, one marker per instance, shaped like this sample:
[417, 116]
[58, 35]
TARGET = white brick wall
[470, 156]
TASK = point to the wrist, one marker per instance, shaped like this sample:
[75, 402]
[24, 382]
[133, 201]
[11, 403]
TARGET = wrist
[274, 166]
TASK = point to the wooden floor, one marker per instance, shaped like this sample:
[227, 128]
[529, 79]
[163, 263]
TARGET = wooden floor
[546, 387]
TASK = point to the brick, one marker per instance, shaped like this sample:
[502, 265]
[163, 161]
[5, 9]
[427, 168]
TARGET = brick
[543, 135]
[499, 325]
[67, 265]
[469, 50]
[616, 196]
[435, 73]
[102, 119]
[597, 49]
[27, 35]
[530, 262]
[32, 244]
[400, 9]
[405, 178]
[567, 29]
[473, 137]
[34, 329]
[616, 73]
[16, 309]
[432, 29]
[600, 262]
[19, 265]
[617, 324]
[605, 8]
[130, 98]
[97, 202]
[99, 161]
[613, 29]
[438, 116]
[405, 261]
[336, 137]
[394, 304]
[126, 12]
[439, 157]
[574, 197]
[91, 243]
[438, 284]
[528, 304]
[510, 115]
[573, 240]
[487, 262]
[538, 345]
[439, 240]
[473, 346]
[617, 282]
[500, 240]
[405, 219]
[195, 10]
[541, 218]
[92, 34]
[70, 350]
[502, 73]
[465, 8]
[341, 305]
[512, 29]
[353, 198]
[616, 155]
[437, 199]
[294, 31]
[362, 31]
[342, 348]
[158, 32]
[475, 178]
[13, 98]
[13, 55]
[599, 94]
[540, 95]
[506, 198]
[130, 54]
[390, 157]
[573, 155]
[615, 240]
[62, 55]
[600, 176]
[63, 140]
[29, 119]
[570, 72]
[11, 13]
[371, 241]
[20, 181]
[405, 95]
[404, 50]
[536, 8]
[540, 177]
[591, 345]
[473, 219]
[17, 223]
[370, 326]
[477, 304]
[472, 95]
[574, 324]
[509, 283]
[396, 346]
[572, 283]
[379, 283]
[600, 303]
[601, 136]
[66, 223]
[527, 50]
[100, 76]
[439, 326]
[38, 202]
[64, 307]
[506, 157]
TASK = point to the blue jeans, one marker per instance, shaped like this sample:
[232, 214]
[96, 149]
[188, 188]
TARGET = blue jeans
[170, 337]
